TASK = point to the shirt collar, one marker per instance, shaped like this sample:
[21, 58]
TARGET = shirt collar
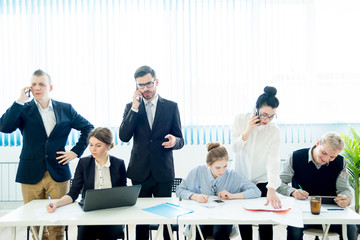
[107, 164]
[311, 159]
[154, 101]
[50, 107]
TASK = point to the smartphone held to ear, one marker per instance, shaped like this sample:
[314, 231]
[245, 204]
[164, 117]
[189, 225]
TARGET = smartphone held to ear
[257, 113]
[138, 98]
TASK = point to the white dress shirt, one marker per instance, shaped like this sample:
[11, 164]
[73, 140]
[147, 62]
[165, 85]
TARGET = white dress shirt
[257, 158]
[48, 117]
[102, 175]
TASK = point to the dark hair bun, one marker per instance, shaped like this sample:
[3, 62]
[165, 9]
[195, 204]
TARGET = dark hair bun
[270, 90]
[212, 145]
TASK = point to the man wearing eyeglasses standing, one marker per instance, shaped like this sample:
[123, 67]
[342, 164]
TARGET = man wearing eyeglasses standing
[154, 123]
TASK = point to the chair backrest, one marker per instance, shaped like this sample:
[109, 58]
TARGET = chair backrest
[177, 182]
[318, 232]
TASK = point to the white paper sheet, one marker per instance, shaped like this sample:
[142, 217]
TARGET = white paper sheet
[234, 209]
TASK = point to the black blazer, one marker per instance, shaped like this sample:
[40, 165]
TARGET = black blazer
[148, 155]
[84, 177]
[38, 152]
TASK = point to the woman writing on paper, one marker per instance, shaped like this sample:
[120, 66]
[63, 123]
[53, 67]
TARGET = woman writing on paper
[97, 171]
[214, 179]
[256, 144]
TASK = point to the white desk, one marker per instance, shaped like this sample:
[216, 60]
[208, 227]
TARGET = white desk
[34, 214]
[232, 212]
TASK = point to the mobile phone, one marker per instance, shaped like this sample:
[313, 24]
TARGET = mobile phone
[328, 199]
[28, 93]
[257, 113]
[218, 201]
[137, 98]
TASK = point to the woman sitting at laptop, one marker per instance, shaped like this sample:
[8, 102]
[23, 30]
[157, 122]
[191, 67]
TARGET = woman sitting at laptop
[97, 171]
[214, 179]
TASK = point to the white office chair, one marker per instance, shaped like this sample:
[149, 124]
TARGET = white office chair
[319, 232]
[188, 231]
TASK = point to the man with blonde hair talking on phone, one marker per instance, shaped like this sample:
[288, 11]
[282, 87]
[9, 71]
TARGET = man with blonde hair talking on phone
[45, 125]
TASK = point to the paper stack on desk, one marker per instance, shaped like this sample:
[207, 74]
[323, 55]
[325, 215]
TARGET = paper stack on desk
[266, 208]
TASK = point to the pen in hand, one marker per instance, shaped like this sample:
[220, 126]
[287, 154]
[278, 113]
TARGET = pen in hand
[302, 189]
[50, 201]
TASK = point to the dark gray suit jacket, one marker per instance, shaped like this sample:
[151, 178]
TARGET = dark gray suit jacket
[148, 155]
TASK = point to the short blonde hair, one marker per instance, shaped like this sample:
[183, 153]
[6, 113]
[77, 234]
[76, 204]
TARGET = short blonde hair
[333, 140]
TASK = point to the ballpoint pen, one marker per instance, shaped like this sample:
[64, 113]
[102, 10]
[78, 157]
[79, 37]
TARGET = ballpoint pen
[50, 201]
[302, 189]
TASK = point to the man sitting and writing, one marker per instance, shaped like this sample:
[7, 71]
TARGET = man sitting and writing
[319, 170]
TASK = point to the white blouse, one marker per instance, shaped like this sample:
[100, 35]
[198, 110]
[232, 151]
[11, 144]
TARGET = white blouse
[257, 158]
[102, 175]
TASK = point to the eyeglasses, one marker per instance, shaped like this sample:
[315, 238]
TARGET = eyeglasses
[265, 116]
[148, 85]
[214, 189]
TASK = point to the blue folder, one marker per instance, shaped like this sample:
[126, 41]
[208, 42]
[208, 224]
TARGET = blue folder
[168, 210]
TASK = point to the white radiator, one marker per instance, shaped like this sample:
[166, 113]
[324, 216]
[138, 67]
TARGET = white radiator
[9, 189]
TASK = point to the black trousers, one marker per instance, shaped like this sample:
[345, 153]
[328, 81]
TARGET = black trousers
[265, 231]
[149, 188]
[101, 232]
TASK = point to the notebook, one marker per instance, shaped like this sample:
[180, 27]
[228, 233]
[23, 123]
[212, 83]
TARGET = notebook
[96, 199]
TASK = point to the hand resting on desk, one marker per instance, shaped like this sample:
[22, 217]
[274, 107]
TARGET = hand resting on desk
[226, 195]
[273, 199]
[201, 198]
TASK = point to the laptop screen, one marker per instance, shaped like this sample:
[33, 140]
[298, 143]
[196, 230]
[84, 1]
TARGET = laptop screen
[96, 199]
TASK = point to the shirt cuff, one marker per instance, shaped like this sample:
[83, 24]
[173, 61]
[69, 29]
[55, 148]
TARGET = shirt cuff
[20, 103]
[290, 191]
[135, 110]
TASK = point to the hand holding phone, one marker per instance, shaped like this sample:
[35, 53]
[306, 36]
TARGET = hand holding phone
[138, 93]
[136, 99]
[24, 95]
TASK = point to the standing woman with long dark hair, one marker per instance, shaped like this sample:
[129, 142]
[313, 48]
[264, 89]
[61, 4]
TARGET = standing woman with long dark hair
[256, 144]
